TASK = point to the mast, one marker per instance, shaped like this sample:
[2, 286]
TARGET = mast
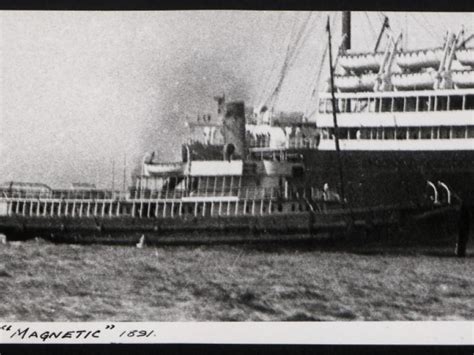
[124, 186]
[346, 30]
[336, 127]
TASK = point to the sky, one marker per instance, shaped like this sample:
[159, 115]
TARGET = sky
[83, 94]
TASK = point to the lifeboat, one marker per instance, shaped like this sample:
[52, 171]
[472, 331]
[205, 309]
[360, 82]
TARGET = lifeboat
[463, 79]
[465, 56]
[359, 63]
[416, 60]
[414, 81]
[354, 83]
[163, 168]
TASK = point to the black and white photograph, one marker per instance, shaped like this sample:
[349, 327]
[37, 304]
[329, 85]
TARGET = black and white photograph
[236, 166]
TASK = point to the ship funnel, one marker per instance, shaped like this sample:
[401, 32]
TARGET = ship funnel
[234, 131]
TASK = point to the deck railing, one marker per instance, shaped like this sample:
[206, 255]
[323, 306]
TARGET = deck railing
[236, 202]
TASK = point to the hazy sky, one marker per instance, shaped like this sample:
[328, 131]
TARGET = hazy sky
[80, 90]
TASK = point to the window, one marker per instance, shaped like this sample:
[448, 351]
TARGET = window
[353, 133]
[423, 103]
[426, 132]
[410, 105]
[362, 105]
[459, 132]
[386, 105]
[343, 133]
[455, 102]
[470, 131]
[389, 133]
[444, 132]
[414, 132]
[442, 103]
[401, 133]
[365, 133]
[398, 104]
[469, 105]
[379, 131]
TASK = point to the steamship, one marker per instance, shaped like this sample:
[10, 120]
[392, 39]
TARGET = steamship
[393, 136]
[405, 125]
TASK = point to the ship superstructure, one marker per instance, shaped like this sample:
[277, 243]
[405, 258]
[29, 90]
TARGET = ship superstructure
[406, 120]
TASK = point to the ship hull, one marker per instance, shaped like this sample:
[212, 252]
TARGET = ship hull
[388, 177]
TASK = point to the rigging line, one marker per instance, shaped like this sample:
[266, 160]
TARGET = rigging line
[313, 88]
[306, 30]
[286, 64]
[271, 43]
[441, 19]
[261, 78]
[317, 82]
[307, 85]
[270, 78]
[309, 30]
[374, 33]
[423, 25]
[365, 30]
[316, 74]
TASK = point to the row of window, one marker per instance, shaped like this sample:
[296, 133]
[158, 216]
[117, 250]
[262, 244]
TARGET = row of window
[399, 104]
[439, 132]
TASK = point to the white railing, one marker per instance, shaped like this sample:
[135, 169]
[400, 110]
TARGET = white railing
[245, 201]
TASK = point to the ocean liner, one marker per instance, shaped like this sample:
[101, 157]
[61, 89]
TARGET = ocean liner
[406, 124]
[392, 143]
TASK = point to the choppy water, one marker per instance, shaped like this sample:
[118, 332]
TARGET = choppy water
[41, 281]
